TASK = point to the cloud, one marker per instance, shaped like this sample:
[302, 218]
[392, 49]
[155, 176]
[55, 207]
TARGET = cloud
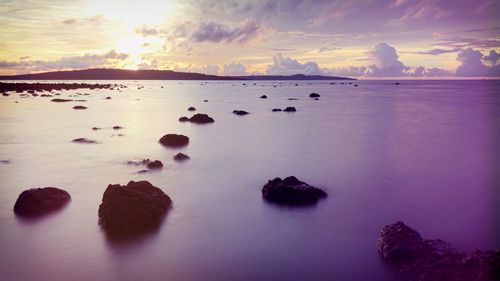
[216, 32]
[426, 9]
[386, 62]
[422, 71]
[84, 20]
[492, 58]
[287, 66]
[109, 59]
[438, 51]
[146, 31]
[210, 69]
[473, 66]
[235, 69]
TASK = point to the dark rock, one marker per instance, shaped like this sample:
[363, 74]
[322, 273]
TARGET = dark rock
[314, 95]
[5, 94]
[434, 259]
[79, 107]
[5, 161]
[108, 98]
[191, 108]
[174, 140]
[291, 191]
[183, 119]
[117, 127]
[39, 201]
[181, 157]
[355, 85]
[397, 83]
[316, 98]
[200, 118]
[96, 128]
[276, 109]
[61, 100]
[137, 206]
[290, 109]
[205, 100]
[292, 98]
[263, 97]
[84, 140]
[155, 165]
[46, 95]
[240, 112]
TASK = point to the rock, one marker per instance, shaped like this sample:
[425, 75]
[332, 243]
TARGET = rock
[316, 98]
[276, 109]
[5, 161]
[181, 157]
[96, 128]
[355, 85]
[174, 140]
[397, 83]
[240, 112]
[191, 108]
[434, 259]
[290, 109]
[137, 206]
[263, 97]
[108, 98]
[39, 201]
[314, 95]
[205, 100]
[291, 191]
[5, 94]
[200, 118]
[292, 98]
[155, 165]
[61, 100]
[398, 242]
[84, 140]
[183, 119]
[79, 107]
[117, 127]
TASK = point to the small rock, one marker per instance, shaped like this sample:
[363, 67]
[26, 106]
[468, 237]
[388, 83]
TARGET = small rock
[174, 140]
[96, 128]
[84, 140]
[291, 191]
[61, 100]
[263, 97]
[183, 119]
[155, 165]
[290, 109]
[276, 109]
[314, 95]
[240, 112]
[79, 107]
[117, 127]
[191, 108]
[181, 157]
[200, 118]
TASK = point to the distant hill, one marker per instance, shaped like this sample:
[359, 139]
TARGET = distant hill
[122, 74]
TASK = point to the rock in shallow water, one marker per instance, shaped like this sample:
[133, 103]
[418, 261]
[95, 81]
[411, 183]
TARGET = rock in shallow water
[84, 140]
[181, 157]
[137, 206]
[434, 259]
[240, 112]
[201, 118]
[291, 191]
[39, 201]
[174, 140]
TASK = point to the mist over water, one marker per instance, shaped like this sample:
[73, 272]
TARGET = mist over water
[424, 152]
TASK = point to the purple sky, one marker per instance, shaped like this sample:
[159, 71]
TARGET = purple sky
[364, 38]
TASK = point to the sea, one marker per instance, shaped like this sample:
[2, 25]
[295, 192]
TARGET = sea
[425, 152]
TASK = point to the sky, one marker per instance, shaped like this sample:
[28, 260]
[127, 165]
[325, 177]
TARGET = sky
[356, 38]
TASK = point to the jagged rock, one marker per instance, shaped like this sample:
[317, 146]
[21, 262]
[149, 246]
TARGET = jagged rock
[181, 157]
[291, 191]
[434, 259]
[39, 201]
[174, 140]
[137, 206]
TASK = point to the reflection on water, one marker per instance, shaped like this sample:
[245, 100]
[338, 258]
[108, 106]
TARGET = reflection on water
[424, 152]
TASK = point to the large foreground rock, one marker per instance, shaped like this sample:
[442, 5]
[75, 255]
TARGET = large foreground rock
[39, 201]
[137, 206]
[291, 191]
[174, 140]
[434, 259]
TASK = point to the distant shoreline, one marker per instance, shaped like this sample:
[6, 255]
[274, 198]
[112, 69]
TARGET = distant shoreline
[123, 74]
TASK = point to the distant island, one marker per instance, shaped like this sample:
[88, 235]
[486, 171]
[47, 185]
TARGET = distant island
[123, 74]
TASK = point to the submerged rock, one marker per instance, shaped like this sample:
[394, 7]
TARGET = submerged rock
[314, 95]
[290, 109]
[181, 157]
[240, 112]
[291, 191]
[39, 201]
[434, 259]
[157, 164]
[137, 206]
[174, 140]
[84, 140]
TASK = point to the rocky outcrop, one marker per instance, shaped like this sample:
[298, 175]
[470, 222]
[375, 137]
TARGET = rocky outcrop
[137, 206]
[291, 191]
[174, 140]
[39, 201]
[434, 259]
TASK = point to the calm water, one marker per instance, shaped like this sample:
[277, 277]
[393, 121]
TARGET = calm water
[425, 152]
